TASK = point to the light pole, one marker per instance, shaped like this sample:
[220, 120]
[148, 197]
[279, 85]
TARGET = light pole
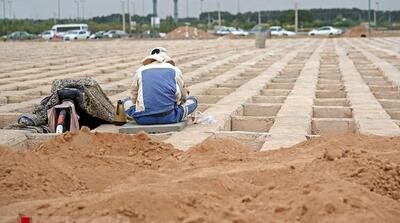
[208, 21]
[219, 14]
[238, 6]
[376, 13]
[369, 16]
[155, 8]
[123, 15]
[4, 9]
[129, 15]
[54, 18]
[83, 8]
[176, 11]
[59, 9]
[133, 8]
[77, 9]
[143, 8]
[187, 8]
[201, 6]
[374, 17]
[10, 8]
[296, 16]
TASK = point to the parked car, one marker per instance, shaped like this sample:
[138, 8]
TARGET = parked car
[223, 31]
[98, 35]
[75, 35]
[18, 36]
[325, 31]
[239, 32]
[115, 34]
[279, 31]
[257, 29]
[47, 35]
[150, 34]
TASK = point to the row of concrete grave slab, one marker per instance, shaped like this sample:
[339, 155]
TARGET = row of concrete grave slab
[202, 60]
[21, 57]
[334, 93]
[382, 88]
[288, 92]
[332, 113]
[214, 73]
[232, 104]
[117, 71]
[214, 68]
[216, 87]
[386, 64]
[258, 115]
[20, 96]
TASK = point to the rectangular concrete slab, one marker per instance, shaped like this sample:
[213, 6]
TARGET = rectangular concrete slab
[370, 118]
[333, 126]
[390, 71]
[293, 121]
[330, 94]
[268, 99]
[228, 106]
[14, 138]
[331, 102]
[332, 112]
[133, 128]
[8, 118]
[251, 124]
[261, 109]
[252, 140]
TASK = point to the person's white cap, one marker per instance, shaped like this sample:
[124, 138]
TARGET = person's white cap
[158, 50]
[157, 54]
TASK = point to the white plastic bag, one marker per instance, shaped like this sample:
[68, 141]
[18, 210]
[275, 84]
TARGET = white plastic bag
[202, 118]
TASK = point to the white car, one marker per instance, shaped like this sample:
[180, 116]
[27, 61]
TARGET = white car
[47, 35]
[279, 31]
[115, 34]
[75, 35]
[222, 31]
[239, 32]
[325, 31]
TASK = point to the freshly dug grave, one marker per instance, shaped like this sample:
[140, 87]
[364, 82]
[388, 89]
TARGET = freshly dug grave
[358, 31]
[101, 177]
[184, 32]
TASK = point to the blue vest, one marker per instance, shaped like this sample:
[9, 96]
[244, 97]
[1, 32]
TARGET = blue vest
[159, 91]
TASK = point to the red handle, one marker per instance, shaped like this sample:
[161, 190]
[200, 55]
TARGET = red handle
[61, 117]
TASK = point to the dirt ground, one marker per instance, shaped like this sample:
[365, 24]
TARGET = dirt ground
[189, 33]
[104, 177]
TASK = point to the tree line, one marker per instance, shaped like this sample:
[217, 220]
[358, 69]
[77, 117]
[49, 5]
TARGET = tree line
[308, 19]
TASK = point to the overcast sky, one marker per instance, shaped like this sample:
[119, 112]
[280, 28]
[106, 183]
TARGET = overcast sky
[48, 8]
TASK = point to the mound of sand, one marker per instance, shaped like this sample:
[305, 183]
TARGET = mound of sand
[184, 32]
[358, 31]
[99, 177]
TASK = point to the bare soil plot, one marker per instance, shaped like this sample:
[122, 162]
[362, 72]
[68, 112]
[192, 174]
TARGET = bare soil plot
[316, 97]
[104, 177]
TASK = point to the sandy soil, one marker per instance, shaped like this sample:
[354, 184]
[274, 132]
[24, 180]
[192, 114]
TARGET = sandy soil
[95, 177]
[189, 33]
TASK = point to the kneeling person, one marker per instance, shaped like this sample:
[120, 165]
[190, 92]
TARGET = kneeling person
[158, 92]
